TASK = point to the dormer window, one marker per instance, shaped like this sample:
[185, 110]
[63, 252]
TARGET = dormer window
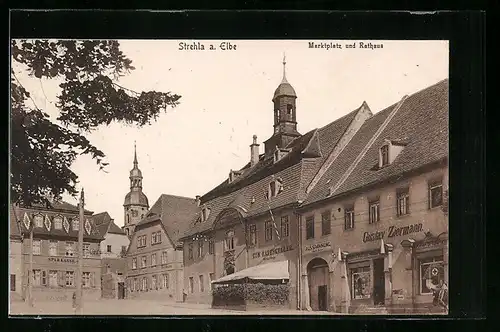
[233, 175]
[280, 153]
[384, 155]
[389, 151]
[205, 213]
[275, 187]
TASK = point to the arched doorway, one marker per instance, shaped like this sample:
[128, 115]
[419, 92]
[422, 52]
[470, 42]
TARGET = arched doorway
[317, 275]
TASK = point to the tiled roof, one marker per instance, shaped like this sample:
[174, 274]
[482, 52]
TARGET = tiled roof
[175, 213]
[61, 205]
[420, 123]
[296, 170]
[105, 224]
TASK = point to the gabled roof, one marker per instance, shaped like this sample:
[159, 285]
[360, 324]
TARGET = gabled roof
[420, 124]
[296, 170]
[174, 212]
[105, 224]
[60, 206]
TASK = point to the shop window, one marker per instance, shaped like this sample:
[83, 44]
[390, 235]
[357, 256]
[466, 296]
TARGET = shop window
[190, 251]
[211, 246]
[252, 235]
[37, 245]
[349, 218]
[435, 194]
[202, 284]
[268, 230]
[229, 241]
[285, 227]
[200, 248]
[374, 211]
[191, 285]
[403, 202]
[431, 274]
[360, 282]
[70, 278]
[310, 227]
[326, 225]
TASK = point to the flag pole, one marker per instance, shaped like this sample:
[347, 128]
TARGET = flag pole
[79, 278]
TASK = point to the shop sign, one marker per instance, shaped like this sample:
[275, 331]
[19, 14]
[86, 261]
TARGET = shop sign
[272, 252]
[62, 260]
[391, 232]
[318, 246]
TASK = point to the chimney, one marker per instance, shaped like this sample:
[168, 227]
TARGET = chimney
[198, 200]
[254, 152]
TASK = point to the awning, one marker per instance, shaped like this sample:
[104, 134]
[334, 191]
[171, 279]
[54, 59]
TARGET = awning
[269, 271]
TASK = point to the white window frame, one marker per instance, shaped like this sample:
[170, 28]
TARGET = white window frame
[365, 273]
[134, 263]
[268, 230]
[38, 219]
[374, 212]
[432, 186]
[403, 203]
[166, 283]
[154, 282]
[285, 226]
[164, 257]
[252, 234]
[153, 259]
[58, 222]
[37, 277]
[37, 247]
[144, 262]
[69, 278]
[52, 248]
[382, 161]
[86, 249]
[75, 224]
[229, 241]
[144, 285]
[349, 218]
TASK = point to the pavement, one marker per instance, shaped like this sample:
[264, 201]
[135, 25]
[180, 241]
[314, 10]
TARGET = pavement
[135, 307]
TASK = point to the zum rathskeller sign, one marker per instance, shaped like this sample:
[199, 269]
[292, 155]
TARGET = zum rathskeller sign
[392, 231]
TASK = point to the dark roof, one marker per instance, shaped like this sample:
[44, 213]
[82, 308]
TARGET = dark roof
[296, 170]
[14, 227]
[30, 212]
[60, 206]
[105, 224]
[420, 124]
[175, 213]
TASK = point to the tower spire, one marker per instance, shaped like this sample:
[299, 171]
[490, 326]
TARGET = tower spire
[135, 155]
[284, 69]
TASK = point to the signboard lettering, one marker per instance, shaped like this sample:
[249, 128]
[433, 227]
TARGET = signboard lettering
[272, 252]
[318, 246]
[391, 232]
[62, 260]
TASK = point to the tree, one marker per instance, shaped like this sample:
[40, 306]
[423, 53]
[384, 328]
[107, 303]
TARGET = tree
[42, 151]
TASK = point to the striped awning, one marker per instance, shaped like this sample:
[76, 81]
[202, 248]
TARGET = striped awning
[269, 271]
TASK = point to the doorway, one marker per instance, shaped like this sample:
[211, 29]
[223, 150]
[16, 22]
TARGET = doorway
[121, 290]
[317, 274]
[378, 282]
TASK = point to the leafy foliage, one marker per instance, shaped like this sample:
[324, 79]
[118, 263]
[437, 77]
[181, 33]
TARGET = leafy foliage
[242, 294]
[43, 151]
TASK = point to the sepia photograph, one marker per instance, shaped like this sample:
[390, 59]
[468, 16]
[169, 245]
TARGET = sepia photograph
[228, 177]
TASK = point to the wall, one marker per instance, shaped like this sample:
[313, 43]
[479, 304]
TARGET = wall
[15, 267]
[351, 240]
[116, 241]
[173, 267]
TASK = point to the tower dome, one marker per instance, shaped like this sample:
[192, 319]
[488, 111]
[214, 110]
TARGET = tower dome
[285, 88]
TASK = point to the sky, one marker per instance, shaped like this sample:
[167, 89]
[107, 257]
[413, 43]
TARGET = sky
[226, 99]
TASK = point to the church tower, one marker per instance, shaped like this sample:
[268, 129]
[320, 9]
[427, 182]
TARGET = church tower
[136, 203]
[285, 115]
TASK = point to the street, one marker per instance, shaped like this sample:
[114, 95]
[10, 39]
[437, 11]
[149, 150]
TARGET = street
[137, 308]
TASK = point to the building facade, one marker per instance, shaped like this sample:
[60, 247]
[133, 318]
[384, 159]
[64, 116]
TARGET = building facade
[154, 265]
[355, 207]
[15, 257]
[112, 250]
[55, 251]
[136, 202]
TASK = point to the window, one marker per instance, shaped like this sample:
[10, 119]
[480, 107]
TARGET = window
[190, 251]
[52, 248]
[69, 250]
[108, 248]
[211, 246]
[37, 277]
[212, 277]
[360, 283]
[141, 241]
[268, 235]
[131, 284]
[136, 285]
[134, 213]
[164, 257]
[38, 220]
[326, 223]
[252, 231]
[435, 194]
[229, 241]
[70, 278]
[144, 284]
[285, 226]
[191, 285]
[153, 282]
[289, 109]
[44, 278]
[37, 244]
[431, 274]
[384, 155]
[12, 282]
[403, 202]
[310, 227]
[349, 218]
[86, 279]
[134, 263]
[205, 213]
[165, 281]
[86, 249]
[200, 248]
[153, 259]
[58, 222]
[143, 261]
[275, 187]
[374, 212]
[53, 279]
[156, 237]
[202, 284]
[75, 224]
